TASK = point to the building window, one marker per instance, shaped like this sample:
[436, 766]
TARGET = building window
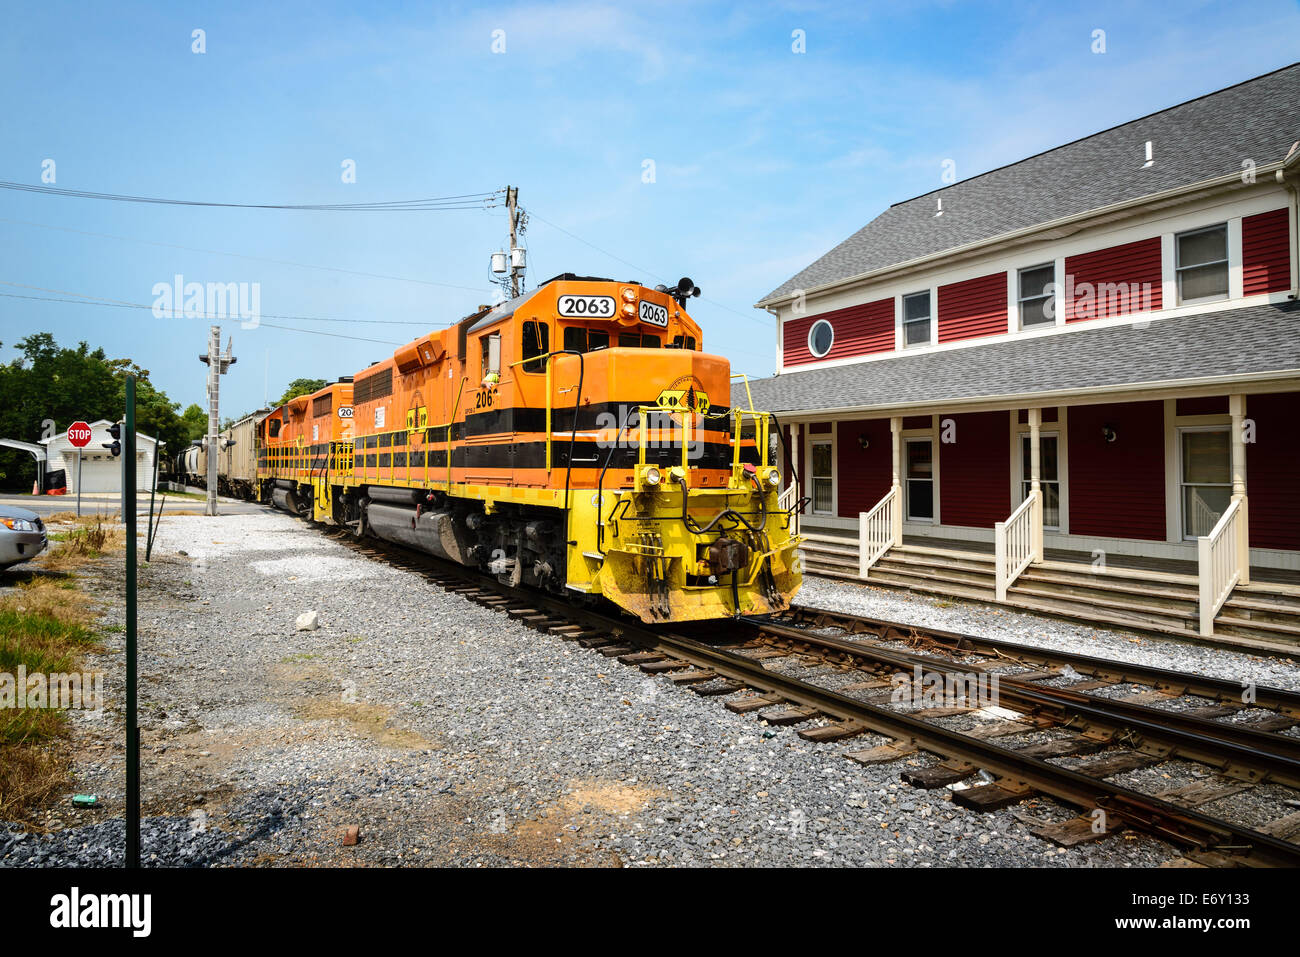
[920, 480]
[1037, 295]
[823, 477]
[820, 338]
[1049, 475]
[916, 319]
[1205, 478]
[1202, 264]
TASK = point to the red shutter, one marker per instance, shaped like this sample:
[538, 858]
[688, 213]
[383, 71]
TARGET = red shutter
[1114, 281]
[859, 331]
[972, 308]
[1266, 252]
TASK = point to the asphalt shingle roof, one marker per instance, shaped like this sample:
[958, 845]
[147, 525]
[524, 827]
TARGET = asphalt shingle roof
[1191, 143]
[1254, 339]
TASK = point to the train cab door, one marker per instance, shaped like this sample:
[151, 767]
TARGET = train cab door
[528, 375]
[488, 409]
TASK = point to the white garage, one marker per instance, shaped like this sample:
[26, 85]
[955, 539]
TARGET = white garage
[100, 471]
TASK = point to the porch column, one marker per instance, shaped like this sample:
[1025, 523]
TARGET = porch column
[794, 459]
[1237, 408]
[1035, 489]
[896, 486]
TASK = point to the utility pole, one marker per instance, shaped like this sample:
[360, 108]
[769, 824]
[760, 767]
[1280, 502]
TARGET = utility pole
[516, 227]
[218, 365]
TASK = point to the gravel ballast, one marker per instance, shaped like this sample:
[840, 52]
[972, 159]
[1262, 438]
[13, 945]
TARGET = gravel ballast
[451, 735]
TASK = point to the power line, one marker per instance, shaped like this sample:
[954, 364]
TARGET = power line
[138, 305]
[485, 200]
[219, 252]
[91, 301]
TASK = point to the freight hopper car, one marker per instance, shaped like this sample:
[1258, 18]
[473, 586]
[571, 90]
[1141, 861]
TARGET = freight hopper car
[574, 439]
[236, 459]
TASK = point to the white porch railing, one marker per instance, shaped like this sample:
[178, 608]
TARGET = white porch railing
[786, 501]
[1015, 545]
[1219, 557]
[878, 530]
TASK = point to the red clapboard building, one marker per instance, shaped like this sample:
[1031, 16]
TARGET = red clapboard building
[1071, 384]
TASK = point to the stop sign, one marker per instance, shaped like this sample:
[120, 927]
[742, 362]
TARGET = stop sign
[79, 434]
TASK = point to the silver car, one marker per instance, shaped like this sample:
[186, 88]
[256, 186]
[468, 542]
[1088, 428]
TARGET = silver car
[22, 536]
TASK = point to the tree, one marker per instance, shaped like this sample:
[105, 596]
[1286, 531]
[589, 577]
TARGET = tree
[301, 387]
[195, 421]
[62, 385]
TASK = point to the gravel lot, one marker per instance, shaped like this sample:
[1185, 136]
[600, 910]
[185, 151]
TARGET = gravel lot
[452, 736]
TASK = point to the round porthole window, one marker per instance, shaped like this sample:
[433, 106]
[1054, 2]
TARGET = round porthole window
[820, 338]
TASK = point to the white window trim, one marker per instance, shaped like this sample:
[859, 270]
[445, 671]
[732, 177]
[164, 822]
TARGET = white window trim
[921, 435]
[1061, 429]
[901, 342]
[1174, 464]
[1019, 300]
[1227, 262]
[830, 325]
[1180, 431]
[812, 439]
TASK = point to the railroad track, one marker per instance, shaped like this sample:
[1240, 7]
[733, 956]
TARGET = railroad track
[858, 681]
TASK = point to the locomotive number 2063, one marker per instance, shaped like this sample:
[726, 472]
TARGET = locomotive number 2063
[599, 307]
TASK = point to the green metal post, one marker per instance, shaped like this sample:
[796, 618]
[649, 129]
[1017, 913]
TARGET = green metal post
[132, 730]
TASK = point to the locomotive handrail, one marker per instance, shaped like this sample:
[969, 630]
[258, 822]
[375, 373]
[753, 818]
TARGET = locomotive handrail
[748, 394]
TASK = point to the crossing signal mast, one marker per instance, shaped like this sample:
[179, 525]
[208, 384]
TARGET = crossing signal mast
[508, 269]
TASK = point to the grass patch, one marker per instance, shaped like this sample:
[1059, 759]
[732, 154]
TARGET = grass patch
[87, 541]
[44, 628]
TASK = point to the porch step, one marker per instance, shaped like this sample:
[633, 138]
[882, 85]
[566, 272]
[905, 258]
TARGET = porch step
[931, 584]
[905, 567]
[1256, 606]
[1084, 581]
[940, 558]
[1176, 608]
[1106, 607]
[1276, 632]
[830, 555]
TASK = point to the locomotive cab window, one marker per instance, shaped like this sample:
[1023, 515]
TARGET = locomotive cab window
[632, 340]
[597, 340]
[274, 426]
[684, 342]
[575, 339]
[536, 343]
[491, 352]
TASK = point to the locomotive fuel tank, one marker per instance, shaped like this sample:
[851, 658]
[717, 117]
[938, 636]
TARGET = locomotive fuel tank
[435, 532]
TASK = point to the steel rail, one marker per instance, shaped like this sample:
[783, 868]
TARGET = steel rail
[1244, 752]
[1175, 682]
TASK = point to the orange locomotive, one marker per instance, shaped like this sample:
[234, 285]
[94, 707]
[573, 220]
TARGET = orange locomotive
[574, 439]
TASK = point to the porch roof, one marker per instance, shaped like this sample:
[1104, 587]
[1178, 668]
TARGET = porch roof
[1255, 342]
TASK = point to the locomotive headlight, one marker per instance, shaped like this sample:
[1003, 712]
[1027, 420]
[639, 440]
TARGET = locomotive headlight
[773, 478]
[629, 294]
[629, 309]
[652, 476]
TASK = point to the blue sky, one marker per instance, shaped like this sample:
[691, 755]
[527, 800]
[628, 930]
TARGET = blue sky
[764, 158]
